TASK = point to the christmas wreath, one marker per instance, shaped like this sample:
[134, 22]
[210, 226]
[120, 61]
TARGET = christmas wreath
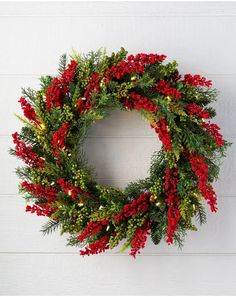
[58, 182]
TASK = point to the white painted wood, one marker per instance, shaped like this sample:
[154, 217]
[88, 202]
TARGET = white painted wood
[52, 274]
[200, 36]
[184, 39]
[111, 156]
[123, 8]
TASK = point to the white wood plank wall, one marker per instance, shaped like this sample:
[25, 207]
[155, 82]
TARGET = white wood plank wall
[201, 37]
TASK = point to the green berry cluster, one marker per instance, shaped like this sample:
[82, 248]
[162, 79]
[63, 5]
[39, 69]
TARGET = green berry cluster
[158, 187]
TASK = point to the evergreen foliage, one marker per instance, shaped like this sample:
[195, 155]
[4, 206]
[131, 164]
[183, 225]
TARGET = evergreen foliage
[57, 180]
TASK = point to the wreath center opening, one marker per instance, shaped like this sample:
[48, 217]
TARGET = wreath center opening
[119, 148]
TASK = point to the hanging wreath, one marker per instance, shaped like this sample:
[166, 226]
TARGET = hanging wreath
[58, 182]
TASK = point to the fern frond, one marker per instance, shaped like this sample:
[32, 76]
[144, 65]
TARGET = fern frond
[29, 93]
[156, 234]
[62, 64]
[50, 227]
[201, 215]
[179, 237]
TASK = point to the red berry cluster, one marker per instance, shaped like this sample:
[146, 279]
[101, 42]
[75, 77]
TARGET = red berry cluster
[59, 86]
[196, 110]
[71, 190]
[69, 73]
[41, 192]
[41, 209]
[58, 139]
[200, 168]
[25, 152]
[92, 88]
[197, 80]
[55, 94]
[91, 229]
[28, 110]
[139, 102]
[136, 206]
[139, 239]
[176, 77]
[96, 247]
[213, 130]
[162, 131]
[164, 88]
[173, 213]
[133, 64]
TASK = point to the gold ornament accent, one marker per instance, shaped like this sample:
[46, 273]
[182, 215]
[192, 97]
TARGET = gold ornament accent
[168, 98]
[153, 198]
[102, 83]
[42, 126]
[69, 192]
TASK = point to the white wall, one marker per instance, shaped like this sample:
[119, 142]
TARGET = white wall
[201, 37]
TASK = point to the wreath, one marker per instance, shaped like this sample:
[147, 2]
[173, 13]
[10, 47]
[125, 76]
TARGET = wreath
[57, 181]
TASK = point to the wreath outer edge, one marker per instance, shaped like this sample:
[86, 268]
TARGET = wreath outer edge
[57, 181]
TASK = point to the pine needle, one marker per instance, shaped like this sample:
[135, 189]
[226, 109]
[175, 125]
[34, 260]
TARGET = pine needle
[62, 64]
[201, 215]
[50, 227]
